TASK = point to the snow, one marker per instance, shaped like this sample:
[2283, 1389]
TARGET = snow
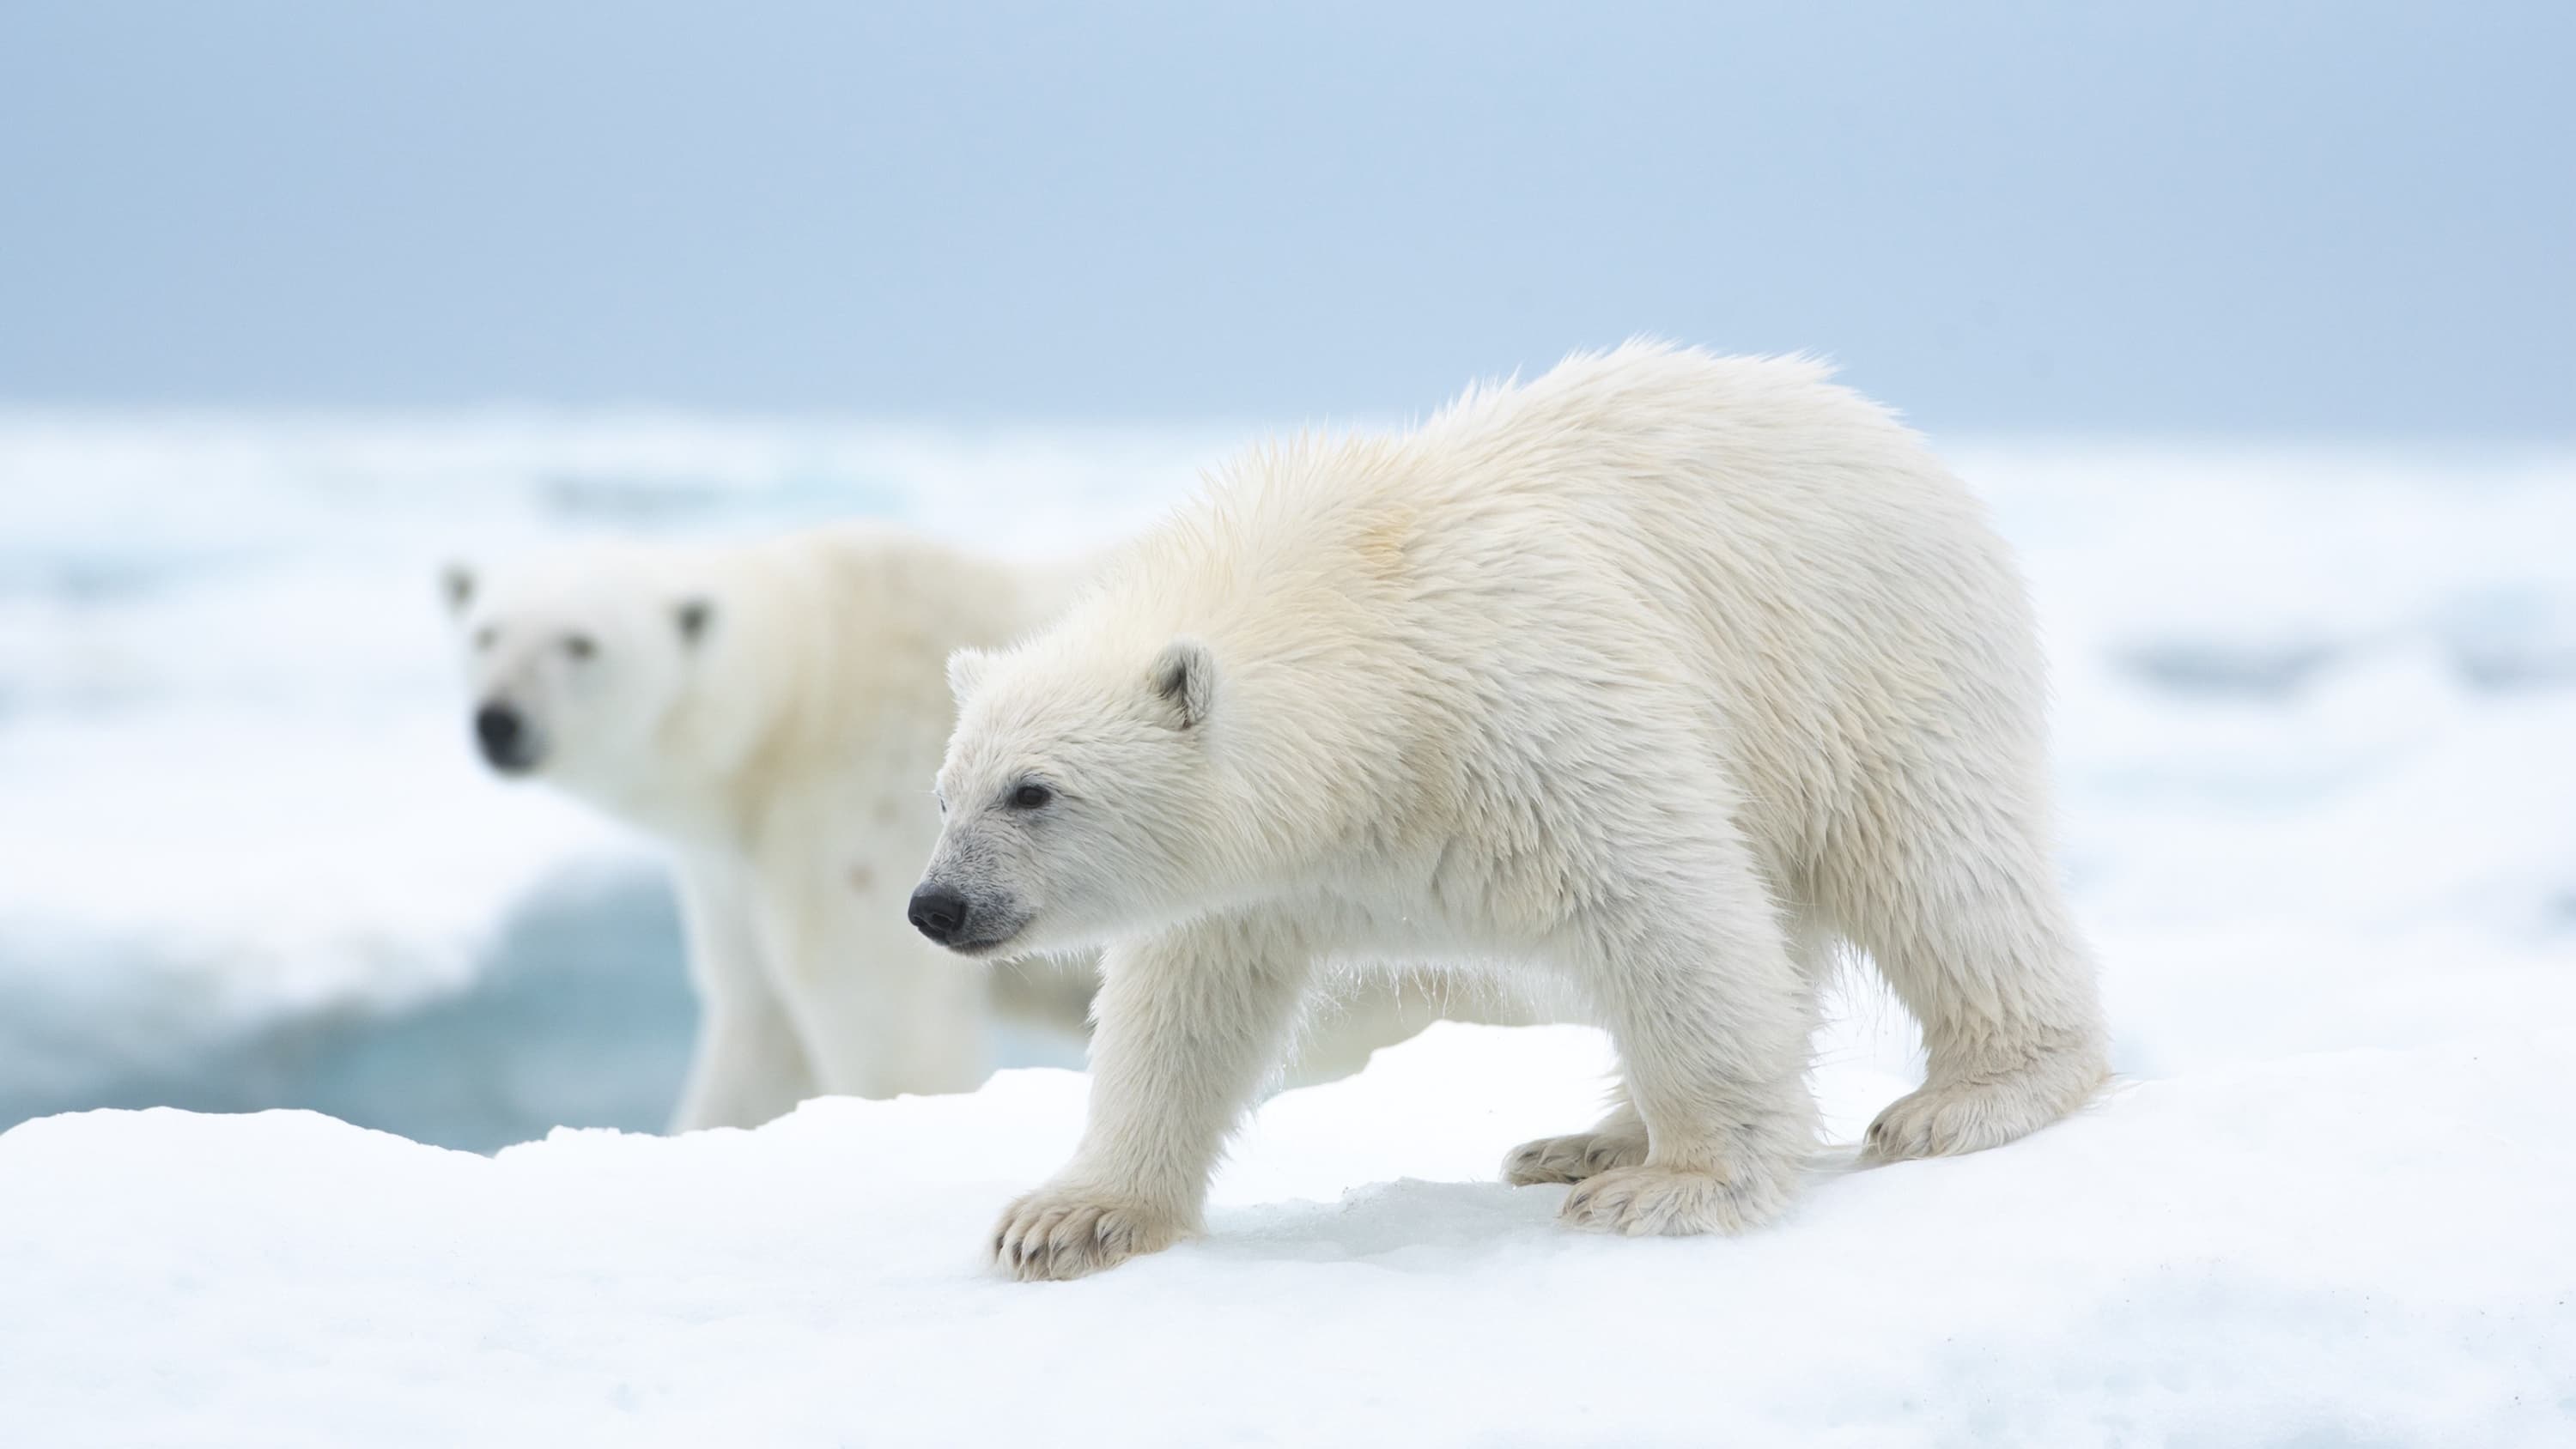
[2336, 1247]
[2314, 717]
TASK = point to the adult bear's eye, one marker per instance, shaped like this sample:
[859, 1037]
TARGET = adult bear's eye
[580, 646]
[1031, 796]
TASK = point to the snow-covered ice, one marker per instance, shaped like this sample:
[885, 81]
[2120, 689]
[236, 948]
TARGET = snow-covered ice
[2314, 728]
[2347, 1247]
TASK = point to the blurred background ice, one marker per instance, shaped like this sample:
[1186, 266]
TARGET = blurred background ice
[2253, 323]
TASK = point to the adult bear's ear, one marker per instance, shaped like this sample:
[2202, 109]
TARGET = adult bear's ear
[693, 617]
[456, 585]
[1184, 676]
[965, 671]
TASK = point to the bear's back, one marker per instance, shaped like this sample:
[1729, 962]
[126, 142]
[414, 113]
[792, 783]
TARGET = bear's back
[1736, 539]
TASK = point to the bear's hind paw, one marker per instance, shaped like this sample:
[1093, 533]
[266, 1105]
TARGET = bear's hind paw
[1573, 1158]
[1662, 1201]
[1059, 1233]
[1944, 1119]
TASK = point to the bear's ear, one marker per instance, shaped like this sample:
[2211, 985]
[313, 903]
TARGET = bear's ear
[456, 585]
[965, 671]
[1184, 676]
[693, 617]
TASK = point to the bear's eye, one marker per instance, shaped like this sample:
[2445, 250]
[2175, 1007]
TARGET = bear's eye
[580, 646]
[1030, 796]
[487, 636]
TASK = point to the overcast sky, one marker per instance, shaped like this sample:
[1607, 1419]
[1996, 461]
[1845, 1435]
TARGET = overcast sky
[2247, 217]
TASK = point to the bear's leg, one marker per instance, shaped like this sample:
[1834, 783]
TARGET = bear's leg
[749, 1065]
[1711, 1016]
[1964, 918]
[1619, 1138]
[882, 1013]
[1189, 1024]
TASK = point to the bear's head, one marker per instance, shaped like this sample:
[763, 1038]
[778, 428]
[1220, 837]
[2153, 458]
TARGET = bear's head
[1083, 796]
[577, 663]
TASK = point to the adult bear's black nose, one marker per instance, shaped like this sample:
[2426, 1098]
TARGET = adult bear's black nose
[503, 736]
[939, 913]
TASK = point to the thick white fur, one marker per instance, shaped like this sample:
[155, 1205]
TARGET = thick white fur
[779, 752]
[1663, 674]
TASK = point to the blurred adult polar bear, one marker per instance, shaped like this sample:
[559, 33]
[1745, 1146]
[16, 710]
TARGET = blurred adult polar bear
[772, 711]
[1664, 674]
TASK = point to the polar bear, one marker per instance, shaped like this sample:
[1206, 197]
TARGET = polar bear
[769, 711]
[1664, 674]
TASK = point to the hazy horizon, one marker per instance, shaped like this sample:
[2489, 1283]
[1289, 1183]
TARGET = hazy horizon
[2339, 222]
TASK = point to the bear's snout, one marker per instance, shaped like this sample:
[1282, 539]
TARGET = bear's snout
[504, 737]
[939, 913]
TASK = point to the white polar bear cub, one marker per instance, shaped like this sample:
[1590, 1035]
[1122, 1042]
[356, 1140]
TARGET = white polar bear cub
[769, 710]
[1663, 674]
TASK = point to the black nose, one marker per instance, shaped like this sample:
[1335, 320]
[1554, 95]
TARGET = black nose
[939, 913]
[504, 738]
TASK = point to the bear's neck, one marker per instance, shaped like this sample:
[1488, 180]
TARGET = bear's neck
[832, 694]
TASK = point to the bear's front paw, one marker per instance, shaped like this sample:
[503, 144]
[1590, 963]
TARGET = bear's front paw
[1064, 1232]
[1574, 1158]
[1650, 1201]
